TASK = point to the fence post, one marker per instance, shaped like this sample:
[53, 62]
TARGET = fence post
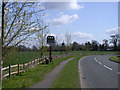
[34, 62]
[31, 64]
[18, 69]
[23, 67]
[9, 71]
[28, 64]
[39, 61]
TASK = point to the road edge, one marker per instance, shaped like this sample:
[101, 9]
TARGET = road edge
[80, 72]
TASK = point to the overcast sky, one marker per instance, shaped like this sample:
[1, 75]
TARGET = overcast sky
[85, 21]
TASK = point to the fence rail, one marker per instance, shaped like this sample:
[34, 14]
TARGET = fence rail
[16, 69]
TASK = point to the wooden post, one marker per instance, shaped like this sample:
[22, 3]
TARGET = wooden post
[18, 69]
[23, 67]
[50, 55]
[31, 64]
[9, 71]
[34, 62]
[39, 61]
[28, 64]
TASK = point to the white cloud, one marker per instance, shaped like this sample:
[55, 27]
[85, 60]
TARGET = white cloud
[61, 5]
[79, 37]
[112, 31]
[61, 13]
[82, 37]
[64, 19]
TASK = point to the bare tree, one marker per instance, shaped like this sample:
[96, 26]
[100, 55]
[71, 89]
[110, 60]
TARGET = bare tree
[68, 41]
[20, 22]
[41, 38]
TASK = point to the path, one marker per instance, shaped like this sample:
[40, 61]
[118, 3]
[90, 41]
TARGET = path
[49, 78]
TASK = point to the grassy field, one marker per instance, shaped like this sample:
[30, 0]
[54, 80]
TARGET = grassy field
[115, 58]
[69, 77]
[24, 57]
[32, 75]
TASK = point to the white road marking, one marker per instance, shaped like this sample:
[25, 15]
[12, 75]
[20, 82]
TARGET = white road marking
[118, 72]
[107, 67]
[100, 63]
[95, 59]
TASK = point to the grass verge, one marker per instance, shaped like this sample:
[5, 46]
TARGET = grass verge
[69, 77]
[32, 76]
[115, 59]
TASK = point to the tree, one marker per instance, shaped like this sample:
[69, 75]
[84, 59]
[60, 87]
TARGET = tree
[87, 46]
[41, 39]
[20, 22]
[114, 39]
[105, 43]
[75, 46]
[68, 41]
[94, 45]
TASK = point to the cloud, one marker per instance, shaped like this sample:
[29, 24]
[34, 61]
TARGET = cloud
[61, 5]
[64, 19]
[82, 37]
[61, 13]
[112, 31]
[79, 37]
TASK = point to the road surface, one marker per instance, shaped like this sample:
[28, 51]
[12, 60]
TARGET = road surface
[98, 72]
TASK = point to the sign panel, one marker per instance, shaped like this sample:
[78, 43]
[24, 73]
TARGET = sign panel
[50, 40]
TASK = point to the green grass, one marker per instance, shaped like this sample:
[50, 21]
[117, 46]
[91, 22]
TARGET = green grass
[115, 58]
[32, 76]
[24, 57]
[69, 77]
[96, 52]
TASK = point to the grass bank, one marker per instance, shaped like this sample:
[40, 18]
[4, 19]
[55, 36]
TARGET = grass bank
[69, 77]
[115, 59]
[32, 76]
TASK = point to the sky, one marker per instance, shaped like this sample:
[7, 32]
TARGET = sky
[85, 21]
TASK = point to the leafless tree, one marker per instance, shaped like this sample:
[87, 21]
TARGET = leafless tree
[41, 40]
[68, 41]
[20, 22]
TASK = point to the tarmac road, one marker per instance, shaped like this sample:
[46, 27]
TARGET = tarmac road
[98, 72]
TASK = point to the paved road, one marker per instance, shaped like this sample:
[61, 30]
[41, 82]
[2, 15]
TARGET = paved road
[98, 72]
[49, 78]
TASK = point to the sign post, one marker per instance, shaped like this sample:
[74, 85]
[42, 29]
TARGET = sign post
[51, 42]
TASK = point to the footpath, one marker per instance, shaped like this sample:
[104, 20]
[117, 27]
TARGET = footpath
[49, 78]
